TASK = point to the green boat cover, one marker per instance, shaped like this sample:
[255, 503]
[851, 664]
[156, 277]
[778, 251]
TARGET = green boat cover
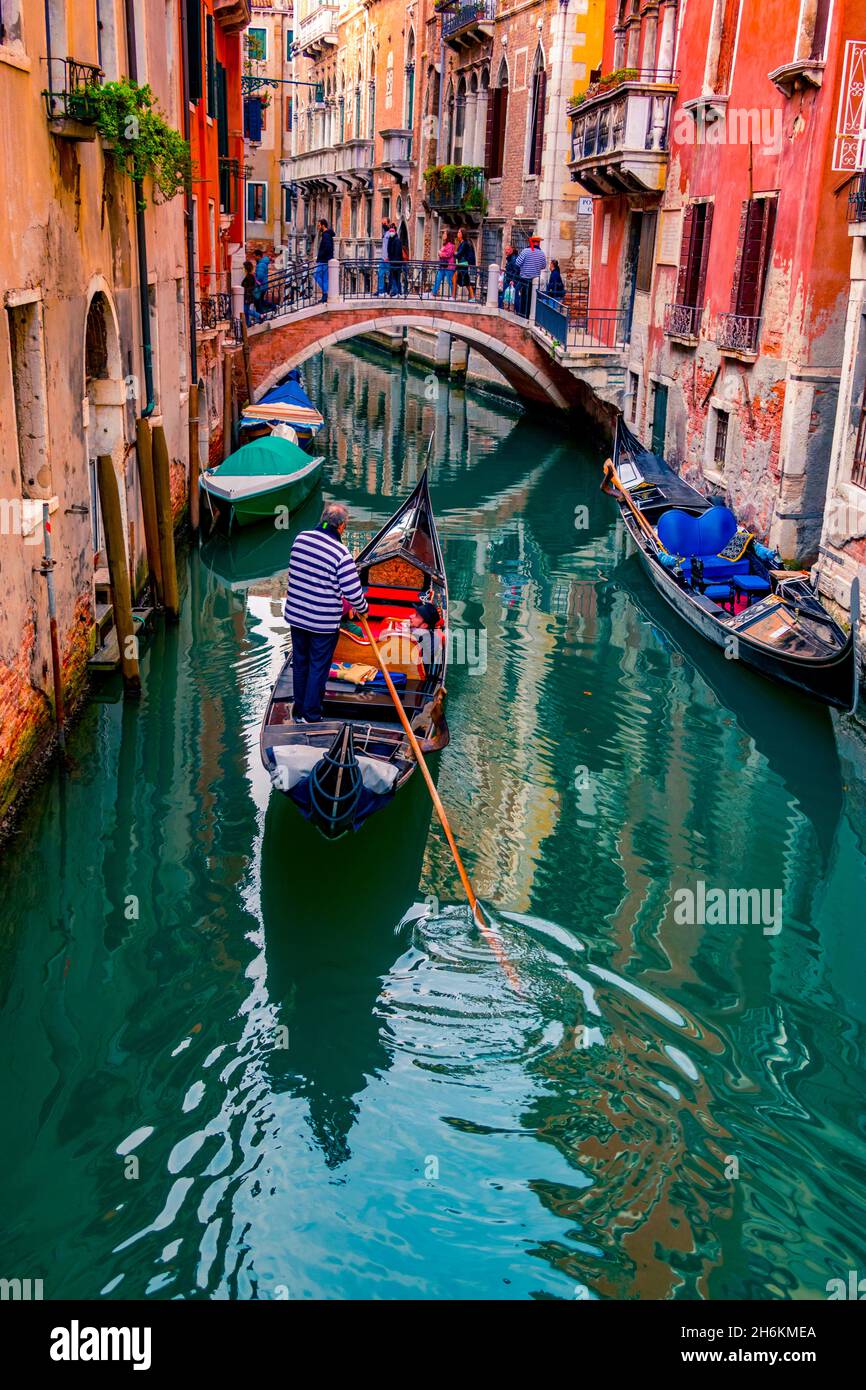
[267, 457]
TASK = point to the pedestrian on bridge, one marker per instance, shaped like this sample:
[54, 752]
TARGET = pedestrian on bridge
[383, 269]
[447, 265]
[324, 254]
[530, 264]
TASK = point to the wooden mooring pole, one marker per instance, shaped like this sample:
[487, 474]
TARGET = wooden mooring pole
[121, 597]
[194, 461]
[165, 523]
[144, 455]
[248, 368]
[228, 411]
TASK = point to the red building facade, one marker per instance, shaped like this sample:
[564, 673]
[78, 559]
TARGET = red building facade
[212, 38]
[719, 151]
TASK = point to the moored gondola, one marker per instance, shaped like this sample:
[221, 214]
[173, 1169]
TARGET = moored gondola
[726, 584]
[340, 771]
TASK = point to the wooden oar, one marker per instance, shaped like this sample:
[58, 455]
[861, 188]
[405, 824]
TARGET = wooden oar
[490, 935]
[611, 473]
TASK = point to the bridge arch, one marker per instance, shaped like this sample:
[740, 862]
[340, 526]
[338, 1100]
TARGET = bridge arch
[280, 345]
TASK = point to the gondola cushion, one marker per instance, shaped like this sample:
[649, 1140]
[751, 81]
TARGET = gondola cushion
[752, 583]
[295, 761]
[714, 529]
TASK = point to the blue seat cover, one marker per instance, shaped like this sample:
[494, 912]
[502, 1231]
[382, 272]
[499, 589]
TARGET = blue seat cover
[752, 583]
[715, 528]
[678, 532]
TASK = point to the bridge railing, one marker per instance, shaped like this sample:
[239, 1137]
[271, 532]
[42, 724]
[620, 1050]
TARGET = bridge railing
[420, 279]
[294, 288]
[578, 327]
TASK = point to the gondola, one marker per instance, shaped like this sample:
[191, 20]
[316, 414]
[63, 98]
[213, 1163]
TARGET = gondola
[342, 770]
[728, 586]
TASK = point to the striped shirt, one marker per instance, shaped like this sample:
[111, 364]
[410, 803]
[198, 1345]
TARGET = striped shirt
[321, 574]
[531, 262]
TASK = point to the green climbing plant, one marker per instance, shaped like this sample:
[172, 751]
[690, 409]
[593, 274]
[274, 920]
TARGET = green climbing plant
[139, 138]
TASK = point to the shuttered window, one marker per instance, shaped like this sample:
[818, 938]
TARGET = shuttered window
[193, 44]
[646, 251]
[757, 224]
[497, 112]
[694, 255]
[210, 54]
[536, 126]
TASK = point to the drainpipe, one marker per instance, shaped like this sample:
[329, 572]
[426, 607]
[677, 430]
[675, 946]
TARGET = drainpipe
[187, 205]
[140, 233]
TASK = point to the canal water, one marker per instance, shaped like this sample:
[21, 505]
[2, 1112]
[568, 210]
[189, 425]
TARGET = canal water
[240, 1062]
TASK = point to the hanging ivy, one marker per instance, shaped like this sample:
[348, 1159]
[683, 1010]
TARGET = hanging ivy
[140, 140]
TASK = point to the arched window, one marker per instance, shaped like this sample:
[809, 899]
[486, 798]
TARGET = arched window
[371, 113]
[448, 132]
[537, 103]
[358, 89]
[497, 116]
[459, 122]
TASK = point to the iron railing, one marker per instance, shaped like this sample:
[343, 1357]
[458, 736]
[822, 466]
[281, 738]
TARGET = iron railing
[467, 12]
[462, 191]
[588, 330]
[72, 97]
[212, 310]
[294, 288]
[857, 200]
[738, 332]
[420, 279]
[683, 320]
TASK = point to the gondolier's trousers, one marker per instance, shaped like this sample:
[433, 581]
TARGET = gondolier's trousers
[311, 661]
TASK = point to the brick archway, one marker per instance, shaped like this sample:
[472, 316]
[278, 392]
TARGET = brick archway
[280, 344]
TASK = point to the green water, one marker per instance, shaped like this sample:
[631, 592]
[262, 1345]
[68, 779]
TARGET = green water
[240, 1062]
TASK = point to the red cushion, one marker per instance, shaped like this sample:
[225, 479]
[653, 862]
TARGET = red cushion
[398, 595]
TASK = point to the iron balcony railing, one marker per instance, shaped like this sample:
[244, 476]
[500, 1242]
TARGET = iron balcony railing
[589, 330]
[466, 13]
[738, 332]
[70, 93]
[364, 279]
[857, 200]
[462, 191]
[683, 320]
[294, 288]
[212, 310]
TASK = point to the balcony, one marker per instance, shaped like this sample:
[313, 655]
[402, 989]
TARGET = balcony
[397, 153]
[620, 134]
[457, 192]
[354, 162]
[316, 167]
[69, 101]
[317, 31]
[465, 22]
[232, 15]
[857, 200]
[738, 335]
[683, 322]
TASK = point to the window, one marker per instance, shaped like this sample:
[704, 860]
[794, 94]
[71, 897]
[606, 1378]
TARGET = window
[193, 42]
[153, 310]
[30, 392]
[288, 204]
[646, 251]
[386, 205]
[633, 389]
[106, 37]
[211, 65]
[720, 443]
[288, 117]
[10, 24]
[757, 224]
[536, 115]
[497, 112]
[181, 335]
[692, 277]
[257, 202]
[290, 39]
[257, 45]
[728, 20]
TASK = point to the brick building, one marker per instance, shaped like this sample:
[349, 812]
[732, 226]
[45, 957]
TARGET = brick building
[352, 141]
[494, 138]
[714, 150]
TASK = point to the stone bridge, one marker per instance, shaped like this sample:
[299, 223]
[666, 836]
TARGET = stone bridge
[539, 370]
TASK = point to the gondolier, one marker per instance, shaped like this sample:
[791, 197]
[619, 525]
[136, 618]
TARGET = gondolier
[322, 574]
